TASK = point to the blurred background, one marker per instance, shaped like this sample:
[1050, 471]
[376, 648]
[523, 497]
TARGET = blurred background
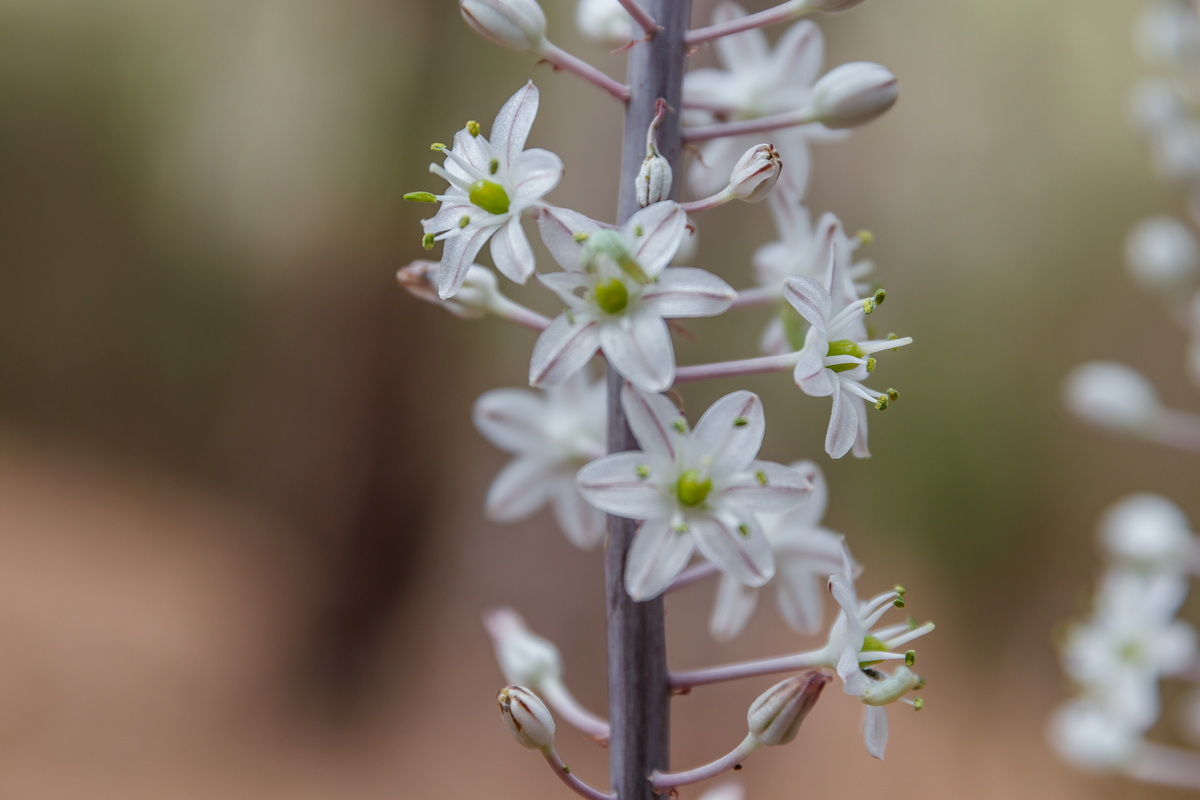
[241, 547]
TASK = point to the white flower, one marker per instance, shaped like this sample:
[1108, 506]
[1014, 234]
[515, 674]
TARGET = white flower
[805, 556]
[756, 81]
[1148, 532]
[1090, 737]
[604, 21]
[552, 433]
[1113, 396]
[836, 357]
[694, 490]
[524, 657]
[491, 184]
[853, 94]
[1162, 254]
[619, 293]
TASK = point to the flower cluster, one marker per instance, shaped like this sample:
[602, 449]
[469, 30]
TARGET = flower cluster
[701, 501]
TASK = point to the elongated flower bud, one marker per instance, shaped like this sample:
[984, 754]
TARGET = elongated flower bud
[776, 715]
[653, 180]
[1113, 396]
[476, 298]
[527, 717]
[525, 658]
[755, 173]
[853, 94]
[514, 24]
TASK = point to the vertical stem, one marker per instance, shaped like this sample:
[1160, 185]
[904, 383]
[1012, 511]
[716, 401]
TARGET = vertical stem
[639, 694]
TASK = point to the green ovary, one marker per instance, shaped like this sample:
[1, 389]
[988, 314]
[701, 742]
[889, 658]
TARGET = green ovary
[691, 490]
[872, 644]
[490, 196]
[612, 296]
[843, 347]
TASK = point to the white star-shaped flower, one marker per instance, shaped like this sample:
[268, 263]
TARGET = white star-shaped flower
[619, 293]
[552, 434]
[491, 183]
[698, 489]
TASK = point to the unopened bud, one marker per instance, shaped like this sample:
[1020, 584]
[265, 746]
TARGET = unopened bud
[525, 658]
[1112, 396]
[527, 717]
[1162, 254]
[776, 715]
[514, 24]
[755, 173]
[853, 94]
[653, 180]
[475, 298]
[891, 688]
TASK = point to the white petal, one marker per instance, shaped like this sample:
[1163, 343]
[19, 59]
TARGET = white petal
[710, 170]
[520, 489]
[740, 50]
[458, 253]
[810, 373]
[566, 284]
[558, 227]
[512, 124]
[613, 484]
[534, 173]
[447, 217]
[809, 297]
[582, 523]
[511, 251]
[655, 422]
[860, 439]
[783, 490]
[662, 228]
[734, 606]
[797, 56]
[739, 550]
[510, 419]
[730, 433]
[798, 595]
[638, 345]
[843, 423]
[562, 350]
[656, 557]
[688, 292]
[812, 511]
[875, 730]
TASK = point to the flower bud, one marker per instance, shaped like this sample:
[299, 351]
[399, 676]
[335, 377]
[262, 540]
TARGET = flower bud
[604, 21]
[775, 717]
[474, 299]
[514, 24]
[525, 658]
[1111, 395]
[853, 94]
[755, 173]
[527, 717]
[1163, 255]
[653, 180]
[1148, 531]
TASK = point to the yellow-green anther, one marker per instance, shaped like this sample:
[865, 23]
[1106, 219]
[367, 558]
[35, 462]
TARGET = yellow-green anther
[912, 623]
[464, 221]
[918, 704]
[871, 365]
[891, 337]
[638, 231]
[899, 601]
[740, 422]
[570, 316]
[437, 147]
[493, 166]
[900, 590]
[882, 403]
[868, 306]
[910, 658]
[865, 236]
[761, 477]
[580, 237]
[744, 530]
[844, 347]
[612, 296]
[691, 489]
[679, 425]
[427, 241]
[642, 471]
[421, 197]
[893, 395]
[472, 128]
[490, 196]
[680, 528]
[880, 296]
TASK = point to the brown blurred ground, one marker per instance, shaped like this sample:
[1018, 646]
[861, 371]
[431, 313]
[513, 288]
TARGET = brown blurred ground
[241, 554]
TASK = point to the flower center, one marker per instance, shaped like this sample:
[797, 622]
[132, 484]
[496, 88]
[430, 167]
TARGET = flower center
[691, 490]
[843, 347]
[871, 644]
[490, 196]
[612, 296]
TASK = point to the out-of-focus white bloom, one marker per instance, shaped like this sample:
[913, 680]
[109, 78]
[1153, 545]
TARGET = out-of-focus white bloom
[1113, 396]
[552, 434]
[805, 556]
[1090, 737]
[726, 791]
[853, 94]
[755, 173]
[604, 21]
[1163, 255]
[524, 657]
[1168, 32]
[619, 293]
[1149, 532]
[479, 294]
[1175, 151]
[1155, 104]
[775, 716]
[514, 24]
[699, 489]
[491, 184]
[527, 717]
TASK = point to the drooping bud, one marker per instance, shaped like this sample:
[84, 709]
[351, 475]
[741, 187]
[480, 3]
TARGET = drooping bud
[475, 298]
[755, 173]
[853, 94]
[654, 176]
[775, 717]
[514, 24]
[525, 658]
[1112, 396]
[1162, 254]
[527, 717]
